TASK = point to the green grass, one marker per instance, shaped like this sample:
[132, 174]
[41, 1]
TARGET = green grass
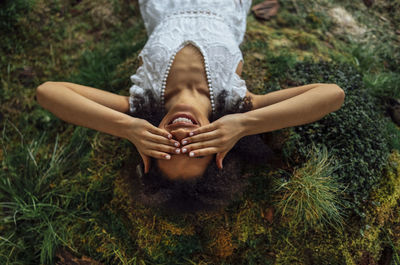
[35, 194]
[98, 67]
[383, 84]
[312, 196]
[61, 186]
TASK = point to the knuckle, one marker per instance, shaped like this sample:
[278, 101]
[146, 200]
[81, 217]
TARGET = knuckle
[219, 144]
[188, 147]
[219, 133]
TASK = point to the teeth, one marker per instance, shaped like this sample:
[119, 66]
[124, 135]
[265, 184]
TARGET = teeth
[180, 119]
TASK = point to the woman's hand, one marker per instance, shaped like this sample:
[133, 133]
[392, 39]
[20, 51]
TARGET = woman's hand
[217, 137]
[151, 141]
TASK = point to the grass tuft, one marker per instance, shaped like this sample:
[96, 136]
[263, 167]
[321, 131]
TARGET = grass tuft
[311, 196]
[34, 194]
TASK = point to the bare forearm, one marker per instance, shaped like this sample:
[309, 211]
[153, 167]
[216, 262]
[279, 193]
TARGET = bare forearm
[79, 110]
[305, 108]
[270, 98]
[105, 98]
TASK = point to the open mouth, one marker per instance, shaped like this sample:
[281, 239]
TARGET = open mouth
[183, 119]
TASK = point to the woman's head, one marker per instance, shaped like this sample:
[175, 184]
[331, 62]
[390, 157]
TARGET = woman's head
[186, 183]
[211, 191]
[179, 120]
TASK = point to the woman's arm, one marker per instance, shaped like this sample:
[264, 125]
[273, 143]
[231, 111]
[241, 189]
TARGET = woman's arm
[106, 112]
[86, 106]
[260, 101]
[105, 98]
[316, 101]
[221, 135]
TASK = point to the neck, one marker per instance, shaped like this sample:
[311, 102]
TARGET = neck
[187, 81]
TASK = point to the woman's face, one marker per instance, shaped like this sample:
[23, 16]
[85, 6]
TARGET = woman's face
[180, 120]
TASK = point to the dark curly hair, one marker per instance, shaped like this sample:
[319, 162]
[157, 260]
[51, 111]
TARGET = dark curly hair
[213, 190]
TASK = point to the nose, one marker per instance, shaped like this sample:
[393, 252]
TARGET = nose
[180, 133]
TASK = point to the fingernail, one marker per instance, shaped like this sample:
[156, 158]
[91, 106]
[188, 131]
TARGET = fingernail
[168, 157]
[191, 154]
[176, 144]
[191, 133]
[184, 142]
[178, 151]
[169, 136]
[184, 150]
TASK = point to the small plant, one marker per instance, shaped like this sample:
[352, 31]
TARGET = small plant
[311, 195]
[35, 195]
[384, 84]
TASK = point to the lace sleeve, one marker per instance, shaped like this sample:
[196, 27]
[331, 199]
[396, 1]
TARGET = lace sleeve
[136, 90]
[238, 89]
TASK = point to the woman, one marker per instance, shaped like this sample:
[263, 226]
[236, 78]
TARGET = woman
[189, 78]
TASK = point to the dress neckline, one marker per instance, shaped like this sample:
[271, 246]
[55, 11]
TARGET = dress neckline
[206, 67]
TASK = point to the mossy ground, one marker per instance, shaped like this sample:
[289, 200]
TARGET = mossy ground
[65, 187]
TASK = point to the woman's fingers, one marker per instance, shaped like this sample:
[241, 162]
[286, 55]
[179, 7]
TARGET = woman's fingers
[219, 158]
[160, 132]
[162, 140]
[204, 152]
[201, 145]
[163, 148]
[203, 129]
[158, 154]
[201, 137]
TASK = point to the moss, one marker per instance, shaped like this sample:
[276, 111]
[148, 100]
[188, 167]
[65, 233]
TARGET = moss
[314, 19]
[386, 197]
[48, 42]
[301, 44]
[381, 213]
[359, 243]
[305, 41]
[221, 244]
[284, 18]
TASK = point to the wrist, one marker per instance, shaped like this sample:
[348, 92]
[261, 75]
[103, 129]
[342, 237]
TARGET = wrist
[248, 124]
[243, 125]
[127, 124]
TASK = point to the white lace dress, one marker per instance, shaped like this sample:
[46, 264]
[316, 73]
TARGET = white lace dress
[215, 27]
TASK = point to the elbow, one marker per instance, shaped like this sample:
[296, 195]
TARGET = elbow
[42, 91]
[339, 96]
